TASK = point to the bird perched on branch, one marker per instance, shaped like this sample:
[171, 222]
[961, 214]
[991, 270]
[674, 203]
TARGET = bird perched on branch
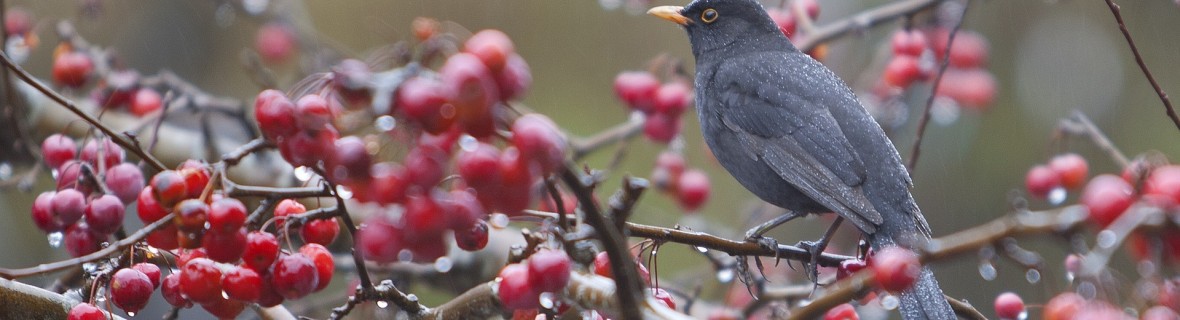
[794, 134]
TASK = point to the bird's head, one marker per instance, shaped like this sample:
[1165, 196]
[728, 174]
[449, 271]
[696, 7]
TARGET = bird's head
[719, 24]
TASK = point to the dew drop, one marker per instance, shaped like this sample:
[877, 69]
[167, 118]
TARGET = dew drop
[498, 221]
[385, 123]
[100, 298]
[944, 111]
[5, 170]
[547, 300]
[987, 271]
[1069, 276]
[224, 295]
[890, 302]
[1023, 315]
[1033, 276]
[702, 249]
[1056, 196]
[443, 264]
[55, 239]
[131, 314]
[303, 173]
[382, 304]
[1105, 239]
[405, 255]
[344, 192]
[54, 173]
[254, 7]
[468, 143]
[1087, 290]
[725, 275]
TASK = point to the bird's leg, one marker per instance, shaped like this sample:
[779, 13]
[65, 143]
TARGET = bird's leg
[755, 233]
[816, 248]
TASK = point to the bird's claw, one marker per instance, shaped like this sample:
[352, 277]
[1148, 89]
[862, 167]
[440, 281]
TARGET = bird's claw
[766, 243]
[812, 265]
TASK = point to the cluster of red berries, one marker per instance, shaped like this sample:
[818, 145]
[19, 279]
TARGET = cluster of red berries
[690, 187]
[130, 290]
[965, 81]
[662, 104]
[122, 89]
[520, 285]
[77, 208]
[1065, 171]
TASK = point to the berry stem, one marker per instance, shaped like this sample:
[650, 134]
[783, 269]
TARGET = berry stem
[97, 255]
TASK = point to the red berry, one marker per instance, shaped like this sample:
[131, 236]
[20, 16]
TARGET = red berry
[474, 238]
[514, 79]
[424, 216]
[425, 248]
[662, 128]
[1063, 307]
[147, 208]
[170, 289]
[312, 112]
[44, 216]
[472, 90]
[1041, 180]
[352, 78]
[69, 205]
[294, 276]
[18, 21]
[784, 20]
[602, 267]
[196, 178]
[480, 169]
[72, 69]
[425, 166]
[105, 214]
[191, 215]
[275, 114]
[849, 267]
[517, 180]
[491, 46]
[424, 101]
[896, 268]
[152, 271]
[537, 138]
[973, 88]
[1072, 169]
[549, 270]
[842, 312]
[226, 215]
[424, 28]
[1165, 182]
[200, 280]
[693, 189]
[388, 184]
[307, 148]
[1009, 306]
[672, 98]
[350, 162]
[903, 71]
[514, 288]
[275, 42]
[225, 247]
[637, 89]
[1107, 196]
[130, 290]
[669, 167]
[169, 188]
[125, 181]
[110, 152]
[262, 249]
[69, 176]
[189, 255]
[119, 87]
[908, 42]
[269, 297]
[164, 238]
[463, 209]
[322, 259]
[57, 149]
[146, 101]
[286, 208]
[969, 50]
[379, 240]
[86, 311]
[320, 231]
[242, 284]
[224, 308]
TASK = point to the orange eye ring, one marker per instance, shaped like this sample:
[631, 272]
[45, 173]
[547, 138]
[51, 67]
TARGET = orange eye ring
[709, 15]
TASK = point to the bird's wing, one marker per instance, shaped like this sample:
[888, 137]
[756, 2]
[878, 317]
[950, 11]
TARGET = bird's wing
[793, 130]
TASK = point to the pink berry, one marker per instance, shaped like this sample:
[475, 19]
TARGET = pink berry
[896, 269]
[903, 71]
[969, 50]
[1165, 182]
[693, 189]
[80, 240]
[973, 88]
[104, 148]
[275, 42]
[1107, 197]
[105, 214]
[538, 138]
[312, 112]
[473, 92]
[514, 79]
[146, 101]
[672, 98]
[125, 181]
[57, 149]
[549, 270]
[130, 290]
[662, 128]
[637, 89]
[784, 20]
[424, 101]
[72, 69]
[69, 205]
[1041, 180]
[908, 42]
[515, 289]
[1009, 306]
[491, 46]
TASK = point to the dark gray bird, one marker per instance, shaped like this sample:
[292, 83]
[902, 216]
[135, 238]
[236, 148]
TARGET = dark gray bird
[790, 131]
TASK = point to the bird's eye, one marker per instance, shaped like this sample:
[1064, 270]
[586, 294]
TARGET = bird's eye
[709, 15]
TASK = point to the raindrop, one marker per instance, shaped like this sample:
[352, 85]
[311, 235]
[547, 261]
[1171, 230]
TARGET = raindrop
[1069, 276]
[254, 7]
[303, 173]
[385, 123]
[725, 275]
[468, 143]
[547, 300]
[944, 111]
[1105, 239]
[382, 304]
[1146, 269]
[1056, 196]
[443, 264]
[1087, 290]
[1033, 276]
[131, 314]
[5, 171]
[55, 239]
[53, 173]
[344, 192]
[100, 298]
[987, 271]
[890, 302]
[609, 5]
[702, 249]
[498, 221]
[1023, 315]
[405, 255]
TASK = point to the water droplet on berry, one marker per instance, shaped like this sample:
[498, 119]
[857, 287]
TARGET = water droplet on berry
[1033, 276]
[890, 302]
[224, 295]
[55, 239]
[443, 265]
[547, 300]
[1056, 196]
[987, 271]
[702, 249]
[725, 275]
[498, 221]
[1023, 315]
[344, 192]
[1105, 239]
[468, 143]
[254, 7]
[303, 173]
[382, 304]
[385, 123]
[130, 314]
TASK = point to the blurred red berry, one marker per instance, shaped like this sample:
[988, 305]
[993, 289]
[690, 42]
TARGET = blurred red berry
[80, 240]
[72, 69]
[969, 50]
[473, 92]
[1041, 180]
[1106, 197]
[105, 214]
[661, 127]
[275, 114]
[424, 101]
[672, 98]
[1164, 181]
[491, 46]
[908, 42]
[1063, 307]
[637, 89]
[784, 20]
[549, 270]
[896, 269]
[693, 190]
[275, 42]
[539, 139]
[903, 71]
[312, 112]
[515, 289]
[973, 88]
[842, 312]
[1009, 306]
[515, 78]
[145, 102]
[379, 240]
[1072, 169]
[57, 149]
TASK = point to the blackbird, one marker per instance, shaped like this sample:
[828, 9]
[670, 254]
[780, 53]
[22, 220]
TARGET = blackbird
[789, 130]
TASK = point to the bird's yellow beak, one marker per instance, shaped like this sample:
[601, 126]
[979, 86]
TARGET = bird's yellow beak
[670, 13]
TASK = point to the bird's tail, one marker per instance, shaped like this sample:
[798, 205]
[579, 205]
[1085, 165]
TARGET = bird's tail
[925, 299]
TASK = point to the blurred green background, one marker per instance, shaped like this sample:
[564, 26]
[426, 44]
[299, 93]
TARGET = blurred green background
[1049, 57]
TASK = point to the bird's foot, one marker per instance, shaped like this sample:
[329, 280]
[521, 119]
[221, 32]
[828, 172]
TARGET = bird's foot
[814, 248]
[766, 243]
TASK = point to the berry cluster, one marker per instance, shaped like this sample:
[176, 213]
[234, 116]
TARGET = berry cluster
[662, 104]
[1066, 171]
[123, 90]
[520, 285]
[79, 208]
[690, 187]
[917, 54]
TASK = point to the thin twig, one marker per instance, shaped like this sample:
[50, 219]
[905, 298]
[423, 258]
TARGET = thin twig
[946, 60]
[862, 21]
[1114, 9]
[97, 255]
